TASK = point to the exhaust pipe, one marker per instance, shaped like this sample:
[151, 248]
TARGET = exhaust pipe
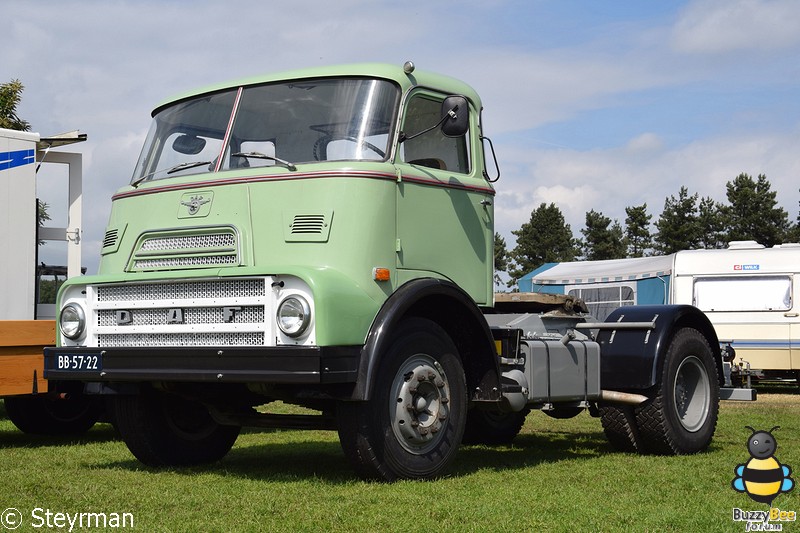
[611, 396]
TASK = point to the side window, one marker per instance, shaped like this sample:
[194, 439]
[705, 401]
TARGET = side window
[432, 149]
[743, 293]
[602, 300]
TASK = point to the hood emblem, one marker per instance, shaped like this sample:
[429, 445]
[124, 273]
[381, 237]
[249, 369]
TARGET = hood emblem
[195, 203]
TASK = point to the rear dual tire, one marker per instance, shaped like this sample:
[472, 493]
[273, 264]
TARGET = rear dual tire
[681, 415]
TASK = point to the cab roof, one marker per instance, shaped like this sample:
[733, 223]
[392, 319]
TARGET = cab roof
[395, 73]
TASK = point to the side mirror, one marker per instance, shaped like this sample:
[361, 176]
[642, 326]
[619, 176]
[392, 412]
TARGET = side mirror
[455, 116]
[189, 144]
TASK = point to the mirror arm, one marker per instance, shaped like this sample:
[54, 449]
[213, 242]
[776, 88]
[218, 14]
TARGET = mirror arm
[449, 114]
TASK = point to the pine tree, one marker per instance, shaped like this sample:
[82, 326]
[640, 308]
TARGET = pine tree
[678, 227]
[711, 221]
[753, 212]
[637, 230]
[545, 238]
[602, 239]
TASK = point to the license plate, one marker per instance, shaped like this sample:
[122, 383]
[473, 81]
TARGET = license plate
[78, 362]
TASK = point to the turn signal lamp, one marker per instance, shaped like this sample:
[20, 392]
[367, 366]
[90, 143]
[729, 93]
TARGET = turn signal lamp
[381, 274]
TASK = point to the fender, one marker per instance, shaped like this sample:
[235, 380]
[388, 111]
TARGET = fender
[633, 359]
[449, 306]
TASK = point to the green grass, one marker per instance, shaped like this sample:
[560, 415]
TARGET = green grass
[559, 475]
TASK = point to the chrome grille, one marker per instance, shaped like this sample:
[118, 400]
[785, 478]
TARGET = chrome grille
[229, 288]
[191, 315]
[217, 312]
[182, 339]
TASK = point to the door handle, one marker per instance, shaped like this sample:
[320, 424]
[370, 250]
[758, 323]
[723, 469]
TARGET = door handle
[791, 315]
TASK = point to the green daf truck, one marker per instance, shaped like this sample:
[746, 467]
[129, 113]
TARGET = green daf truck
[325, 238]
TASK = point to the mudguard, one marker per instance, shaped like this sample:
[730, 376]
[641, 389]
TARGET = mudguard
[633, 358]
[449, 306]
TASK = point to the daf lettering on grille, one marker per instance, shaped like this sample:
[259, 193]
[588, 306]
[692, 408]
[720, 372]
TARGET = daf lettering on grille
[175, 316]
[229, 313]
[123, 317]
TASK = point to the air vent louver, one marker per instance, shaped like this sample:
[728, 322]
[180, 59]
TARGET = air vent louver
[307, 227]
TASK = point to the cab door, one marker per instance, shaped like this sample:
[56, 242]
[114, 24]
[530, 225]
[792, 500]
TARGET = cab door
[445, 212]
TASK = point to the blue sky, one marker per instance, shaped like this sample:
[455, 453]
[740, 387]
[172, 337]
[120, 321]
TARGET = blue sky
[591, 105]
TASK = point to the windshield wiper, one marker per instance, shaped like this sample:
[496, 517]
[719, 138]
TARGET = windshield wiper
[259, 155]
[171, 170]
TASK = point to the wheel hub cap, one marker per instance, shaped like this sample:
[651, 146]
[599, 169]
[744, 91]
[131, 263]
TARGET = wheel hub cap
[420, 409]
[692, 394]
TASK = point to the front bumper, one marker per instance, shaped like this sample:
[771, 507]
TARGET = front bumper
[280, 365]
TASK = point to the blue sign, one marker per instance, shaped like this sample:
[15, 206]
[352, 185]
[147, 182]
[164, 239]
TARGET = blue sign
[17, 158]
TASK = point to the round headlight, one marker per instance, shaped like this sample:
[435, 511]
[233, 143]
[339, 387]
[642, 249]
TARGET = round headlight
[294, 315]
[72, 321]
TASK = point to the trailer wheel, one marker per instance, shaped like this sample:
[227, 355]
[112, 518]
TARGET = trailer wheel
[619, 425]
[40, 415]
[165, 430]
[682, 415]
[412, 426]
[493, 427]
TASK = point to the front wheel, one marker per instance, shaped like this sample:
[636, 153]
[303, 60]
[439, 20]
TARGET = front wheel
[412, 426]
[166, 430]
[682, 415]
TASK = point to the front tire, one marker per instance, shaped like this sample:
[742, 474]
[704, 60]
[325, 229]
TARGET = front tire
[412, 426]
[165, 430]
[682, 416]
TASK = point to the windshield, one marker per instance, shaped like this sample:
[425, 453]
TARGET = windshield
[277, 124]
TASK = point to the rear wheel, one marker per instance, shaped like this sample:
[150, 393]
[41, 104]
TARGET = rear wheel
[41, 415]
[166, 430]
[412, 426]
[619, 425]
[682, 415]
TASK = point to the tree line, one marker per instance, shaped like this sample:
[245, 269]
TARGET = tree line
[686, 222]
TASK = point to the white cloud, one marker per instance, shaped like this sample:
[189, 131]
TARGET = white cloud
[719, 26]
[610, 180]
[646, 142]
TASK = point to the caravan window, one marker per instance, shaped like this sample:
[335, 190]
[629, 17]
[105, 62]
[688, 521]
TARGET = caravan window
[743, 293]
[603, 299]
